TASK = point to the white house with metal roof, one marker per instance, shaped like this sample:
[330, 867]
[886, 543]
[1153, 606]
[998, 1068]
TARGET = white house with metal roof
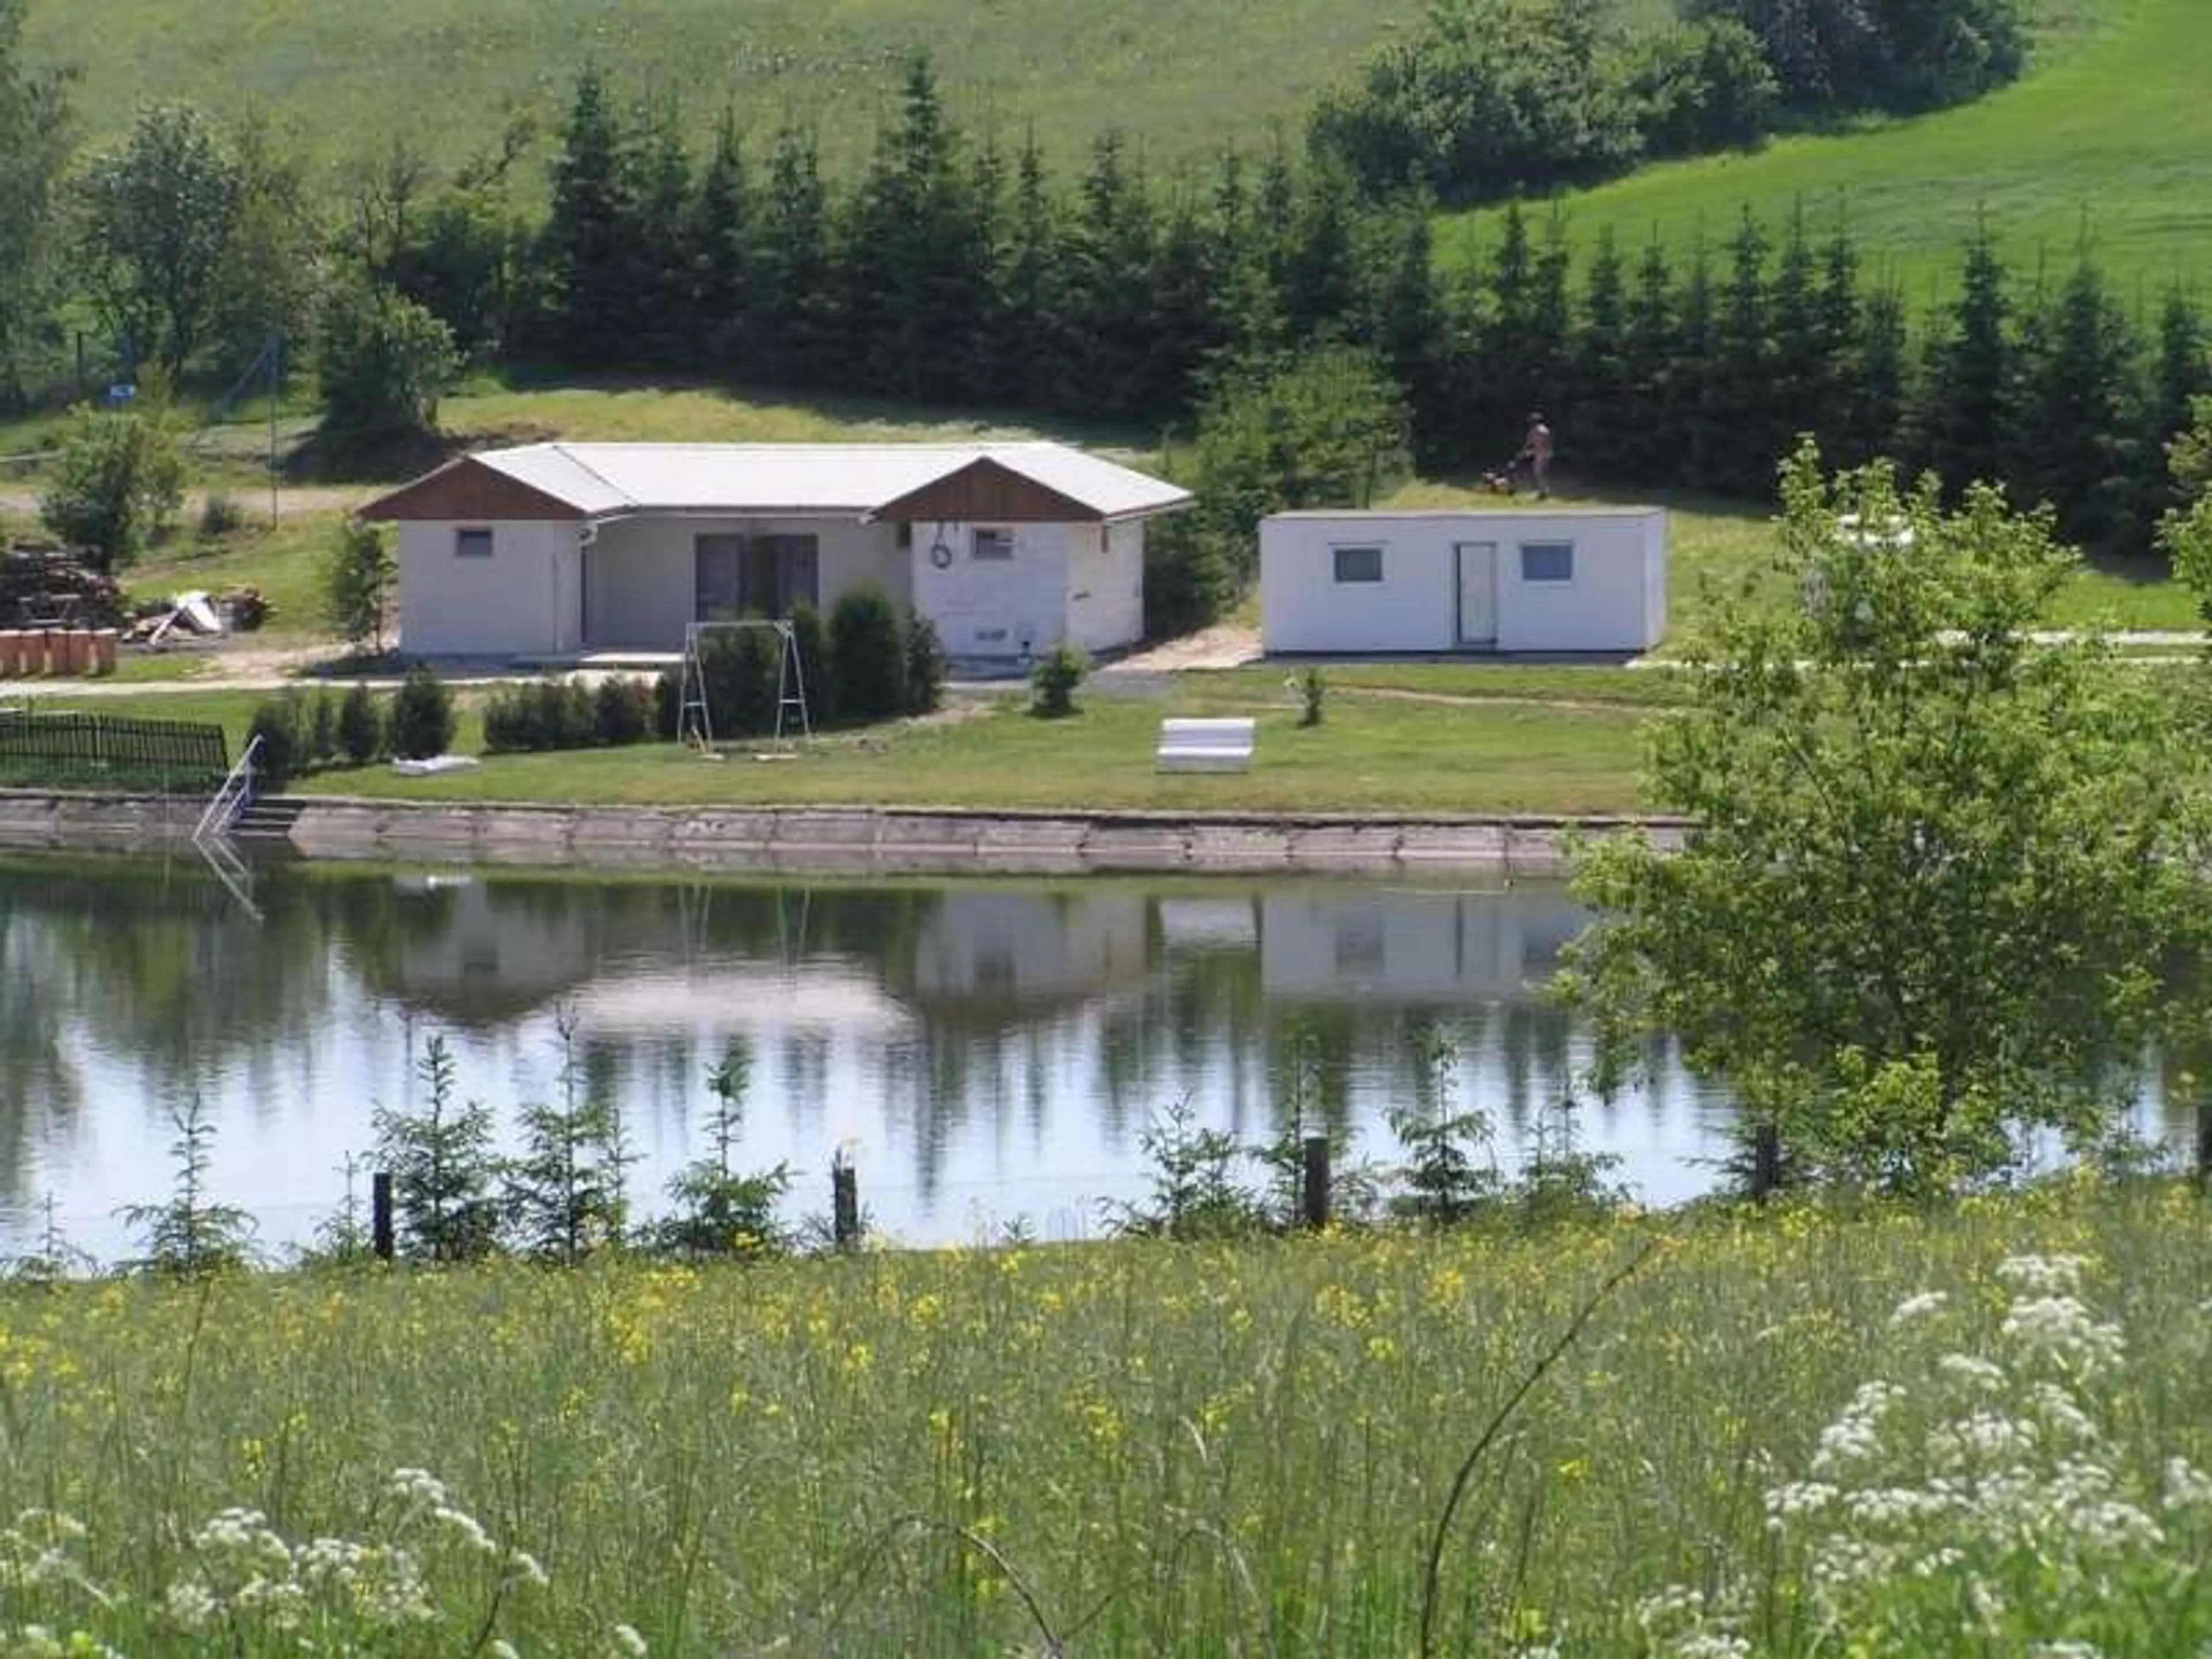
[563, 549]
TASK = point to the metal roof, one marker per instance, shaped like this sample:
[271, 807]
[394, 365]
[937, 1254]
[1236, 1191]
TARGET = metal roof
[604, 479]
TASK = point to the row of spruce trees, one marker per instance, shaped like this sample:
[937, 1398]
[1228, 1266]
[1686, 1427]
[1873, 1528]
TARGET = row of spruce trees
[944, 274]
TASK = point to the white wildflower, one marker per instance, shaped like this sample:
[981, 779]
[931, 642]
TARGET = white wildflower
[419, 1486]
[2061, 1330]
[628, 1639]
[1710, 1645]
[2069, 1650]
[189, 1604]
[2187, 1486]
[523, 1568]
[500, 1648]
[1972, 1370]
[2043, 1275]
[468, 1528]
[1927, 1303]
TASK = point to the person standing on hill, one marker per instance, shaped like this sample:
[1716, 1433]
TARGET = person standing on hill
[1536, 454]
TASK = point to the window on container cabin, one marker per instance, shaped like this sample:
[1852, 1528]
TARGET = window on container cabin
[993, 544]
[472, 544]
[1547, 561]
[1358, 565]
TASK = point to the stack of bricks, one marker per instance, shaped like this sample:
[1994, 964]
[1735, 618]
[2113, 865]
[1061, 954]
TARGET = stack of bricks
[56, 652]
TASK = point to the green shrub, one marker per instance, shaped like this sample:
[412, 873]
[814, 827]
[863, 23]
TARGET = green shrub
[220, 516]
[667, 701]
[422, 716]
[361, 727]
[925, 666]
[1189, 580]
[381, 361]
[811, 638]
[1054, 680]
[321, 728]
[868, 647]
[622, 711]
[741, 670]
[1313, 691]
[281, 756]
[510, 720]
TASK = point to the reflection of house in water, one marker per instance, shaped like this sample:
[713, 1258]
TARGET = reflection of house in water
[990, 956]
[1412, 945]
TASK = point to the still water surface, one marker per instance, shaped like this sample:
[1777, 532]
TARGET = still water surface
[985, 1052]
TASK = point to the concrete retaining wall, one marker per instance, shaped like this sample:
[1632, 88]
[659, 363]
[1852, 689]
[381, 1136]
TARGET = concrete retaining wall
[837, 840]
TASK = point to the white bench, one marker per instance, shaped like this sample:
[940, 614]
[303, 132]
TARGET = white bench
[1216, 745]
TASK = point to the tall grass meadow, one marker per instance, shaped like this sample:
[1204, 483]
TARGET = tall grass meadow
[1801, 1431]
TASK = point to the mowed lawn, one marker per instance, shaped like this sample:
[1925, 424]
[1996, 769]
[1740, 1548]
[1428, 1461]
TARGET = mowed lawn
[2106, 133]
[1141, 1451]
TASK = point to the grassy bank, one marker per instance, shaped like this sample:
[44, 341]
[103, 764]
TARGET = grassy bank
[2103, 133]
[341, 80]
[1133, 1449]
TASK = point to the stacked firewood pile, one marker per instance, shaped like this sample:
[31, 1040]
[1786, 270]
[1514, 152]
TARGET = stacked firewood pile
[50, 587]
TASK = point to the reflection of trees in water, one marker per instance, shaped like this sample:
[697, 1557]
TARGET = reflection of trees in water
[157, 960]
[41, 1092]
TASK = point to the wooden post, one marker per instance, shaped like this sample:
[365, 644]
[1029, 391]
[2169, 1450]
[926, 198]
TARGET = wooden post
[1315, 1195]
[380, 1215]
[1765, 1162]
[844, 1204]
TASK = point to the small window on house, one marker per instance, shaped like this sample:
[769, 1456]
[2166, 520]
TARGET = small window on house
[1358, 565]
[994, 544]
[904, 537]
[1547, 561]
[472, 544]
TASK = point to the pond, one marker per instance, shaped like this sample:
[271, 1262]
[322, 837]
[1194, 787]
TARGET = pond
[986, 1053]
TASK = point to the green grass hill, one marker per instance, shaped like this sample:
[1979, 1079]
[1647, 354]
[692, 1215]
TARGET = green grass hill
[343, 79]
[2111, 127]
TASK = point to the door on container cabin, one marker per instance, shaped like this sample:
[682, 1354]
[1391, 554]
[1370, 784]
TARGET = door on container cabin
[1477, 566]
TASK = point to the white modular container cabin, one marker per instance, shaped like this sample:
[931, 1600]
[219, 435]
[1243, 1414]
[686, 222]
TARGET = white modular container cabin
[1582, 581]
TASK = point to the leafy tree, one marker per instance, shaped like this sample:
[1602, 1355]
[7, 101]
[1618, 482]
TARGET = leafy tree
[35, 134]
[358, 575]
[189, 1234]
[116, 481]
[157, 213]
[2190, 456]
[1893, 54]
[264, 287]
[1488, 97]
[1320, 429]
[1939, 871]
[1700, 86]
[441, 1165]
[381, 362]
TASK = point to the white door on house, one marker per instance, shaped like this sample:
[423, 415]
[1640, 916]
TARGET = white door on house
[1477, 591]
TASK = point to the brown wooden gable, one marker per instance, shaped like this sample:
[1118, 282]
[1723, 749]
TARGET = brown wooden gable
[464, 491]
[985, 491]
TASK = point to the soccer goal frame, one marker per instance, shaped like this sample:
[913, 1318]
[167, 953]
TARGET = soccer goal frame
[695, 721]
